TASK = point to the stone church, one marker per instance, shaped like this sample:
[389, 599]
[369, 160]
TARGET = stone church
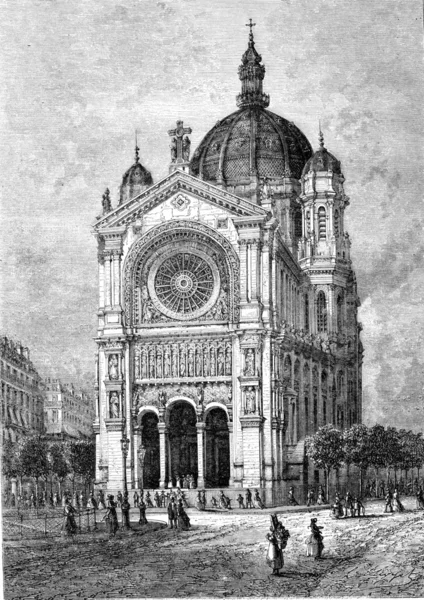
[227, 321]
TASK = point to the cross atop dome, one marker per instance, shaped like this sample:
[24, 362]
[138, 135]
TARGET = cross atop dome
[251, 73]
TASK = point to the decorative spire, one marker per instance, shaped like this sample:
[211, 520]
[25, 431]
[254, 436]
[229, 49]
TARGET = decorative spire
[321, 136]
[137, 149]
[251, 73]
[106, 204]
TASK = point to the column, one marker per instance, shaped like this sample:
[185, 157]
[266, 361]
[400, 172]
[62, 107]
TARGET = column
[200, 455]
[243, 271]
[162, 451]
[230, 431]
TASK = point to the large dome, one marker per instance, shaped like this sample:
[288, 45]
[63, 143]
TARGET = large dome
[252, 143]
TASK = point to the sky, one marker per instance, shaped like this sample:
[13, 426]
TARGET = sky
[82, 76]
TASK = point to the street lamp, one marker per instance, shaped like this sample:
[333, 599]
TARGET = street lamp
[141, 454]
[125, 442]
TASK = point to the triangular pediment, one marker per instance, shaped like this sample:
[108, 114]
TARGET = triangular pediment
[176, 186]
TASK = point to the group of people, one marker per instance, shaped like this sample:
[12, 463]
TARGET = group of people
[177, 516]
[278, 537]
[379, 489]
[29, 500]
[351, 506]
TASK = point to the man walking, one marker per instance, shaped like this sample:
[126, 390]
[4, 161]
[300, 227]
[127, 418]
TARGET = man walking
[172, 514]
[249, 499]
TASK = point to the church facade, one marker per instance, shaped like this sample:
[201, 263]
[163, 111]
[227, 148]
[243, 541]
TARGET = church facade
[227, 322]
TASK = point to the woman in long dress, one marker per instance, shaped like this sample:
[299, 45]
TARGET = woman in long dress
[314, 542]
[111, 517]
[182, 516]
[396, 501]
[277, 537]
[69, 525]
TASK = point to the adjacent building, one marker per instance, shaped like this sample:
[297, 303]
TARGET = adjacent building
[22, 394]
[227, 322]
[68, 414]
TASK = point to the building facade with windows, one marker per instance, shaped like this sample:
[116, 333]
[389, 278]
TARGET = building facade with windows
[68, 414]
[227, 323]
[22, 394]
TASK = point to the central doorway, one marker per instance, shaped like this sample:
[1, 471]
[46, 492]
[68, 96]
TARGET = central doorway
[182, 435]
[217, 449]
[150, 472]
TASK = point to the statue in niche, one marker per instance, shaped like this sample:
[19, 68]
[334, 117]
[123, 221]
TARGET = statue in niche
[162, 398]
[212, 361]
[230, 394]
[138, 399]
[198, 363]
[250, 400]
[266, 190]
[137, 366]
[166, 363]
[182, 362]
[114, 405]
[186, 148]
[174, 362]
[205, 363]
[143, 365]
[113, 366]
[146, 305]
[221, 309]
[151, 364]
[200, 395]
[249, 368]
[159, 364]
[228, 361]
[221, 363]
[190, 363]
[173, 147]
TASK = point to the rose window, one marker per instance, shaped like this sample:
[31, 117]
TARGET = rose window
[184, 285]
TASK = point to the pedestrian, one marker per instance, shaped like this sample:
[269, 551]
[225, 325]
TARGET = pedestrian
[111, 517]
[248, 497]
[315, 541]
[119, 498]
[135, 499]
[321, 496]
[382, 489]
[358, 508]
[182, 517]
[214, 502]
[292, 499]
[172, 514]
[240, 501]
[12, 500]
[348, 508]
[162, 499]
[199, 501]
[389, 502]
[398, 506]
[204, 499]
[149, 503]
[92, 502]
[69, 526]
[420, 499]
[142, 508]
[258, 501]
[337, 507]
[310, 499]
[277, 537]
[101, 499]
[125, 508]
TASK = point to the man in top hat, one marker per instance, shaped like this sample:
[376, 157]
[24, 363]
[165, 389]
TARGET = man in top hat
[172, 514]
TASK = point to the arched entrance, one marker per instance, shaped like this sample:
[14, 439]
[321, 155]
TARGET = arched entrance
[182, 436]
[150, 441]
[217, 449]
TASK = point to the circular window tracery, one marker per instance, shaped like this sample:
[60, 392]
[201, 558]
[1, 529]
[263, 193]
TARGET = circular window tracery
[184, 285]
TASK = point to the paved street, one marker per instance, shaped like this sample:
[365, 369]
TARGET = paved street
[224, 555]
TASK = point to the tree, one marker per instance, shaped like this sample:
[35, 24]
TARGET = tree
[33, 457]
[82, 459]
[11, 462]
[358, 449]
[385, 449]
[59, 464]
[325, 449]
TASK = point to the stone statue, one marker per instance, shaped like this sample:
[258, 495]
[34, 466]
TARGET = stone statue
[250, 401]
[174, 362]
[212, 362]
[137, 366]
[113, 366]
[186, 148]
[190, 363]
[221, 363]
[198, 363]
[114, 405]
[162, 398]
[205, 363]
[266, 190]
[200, 396]
[228, 361]
[221, 310]
[146, 305]
[143, 365]
[249, 368]
[182, 362]
[159, 364]
[167, 363]
[152, 364]
[106, 203]
[173, 147]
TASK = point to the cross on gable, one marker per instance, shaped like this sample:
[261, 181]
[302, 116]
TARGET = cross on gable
[250, 24]
[180, 145]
